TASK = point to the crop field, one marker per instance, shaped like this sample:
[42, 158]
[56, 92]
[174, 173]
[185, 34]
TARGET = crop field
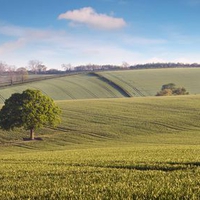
[137, 172]
[128, 148]
[149, 81]
[69, 87]
[137, 83]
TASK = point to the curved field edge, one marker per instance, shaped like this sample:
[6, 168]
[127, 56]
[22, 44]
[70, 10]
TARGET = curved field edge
[65, 88]
[149, 81]
[111, 83]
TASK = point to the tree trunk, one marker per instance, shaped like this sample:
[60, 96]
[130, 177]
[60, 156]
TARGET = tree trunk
[32, 134]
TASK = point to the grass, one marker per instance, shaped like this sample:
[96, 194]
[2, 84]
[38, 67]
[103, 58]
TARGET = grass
[143, 172]
[149, 81]
[132, 119]
[66, 88]
[135, 82]
[135, 148]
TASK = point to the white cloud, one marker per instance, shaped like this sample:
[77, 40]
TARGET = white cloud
[88, 16]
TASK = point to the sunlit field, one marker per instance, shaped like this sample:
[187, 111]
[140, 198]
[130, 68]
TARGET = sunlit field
[149, 81]
[136, 148]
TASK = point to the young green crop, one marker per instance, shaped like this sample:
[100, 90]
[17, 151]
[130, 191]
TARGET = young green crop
[149, 81]
[142, 172]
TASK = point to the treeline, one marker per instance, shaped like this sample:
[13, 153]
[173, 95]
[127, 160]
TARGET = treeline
[126, 66]
[37, 67]
[163, 65]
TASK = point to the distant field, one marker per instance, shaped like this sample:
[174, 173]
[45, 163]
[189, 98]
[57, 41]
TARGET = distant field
[134, 148]
[69, 87]
[135, 82]
[149, 81]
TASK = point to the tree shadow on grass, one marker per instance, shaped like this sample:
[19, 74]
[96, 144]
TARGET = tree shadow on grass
[36, 138]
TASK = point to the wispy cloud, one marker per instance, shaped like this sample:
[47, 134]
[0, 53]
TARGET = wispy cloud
[31, 33]
[21, 37]
[12, 45]
[88, 16]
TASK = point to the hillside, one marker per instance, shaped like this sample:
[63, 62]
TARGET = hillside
[149, 81]
[158, 120]
[81, 86]
[111, 84]
[126, 148]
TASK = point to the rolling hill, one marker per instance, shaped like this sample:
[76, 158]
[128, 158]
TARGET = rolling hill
[122, 148]
[111, 84]
[157, 120]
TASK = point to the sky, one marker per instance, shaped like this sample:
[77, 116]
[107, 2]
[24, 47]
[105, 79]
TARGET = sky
[82, 32]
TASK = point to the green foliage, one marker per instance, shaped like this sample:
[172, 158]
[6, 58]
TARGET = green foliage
[171, 89]
[30, 110]
[170, 86]
[165, 92]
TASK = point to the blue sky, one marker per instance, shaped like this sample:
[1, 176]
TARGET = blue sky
[99, 31]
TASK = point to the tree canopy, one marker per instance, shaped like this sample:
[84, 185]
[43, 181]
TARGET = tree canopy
[30, 110]
[171, 89]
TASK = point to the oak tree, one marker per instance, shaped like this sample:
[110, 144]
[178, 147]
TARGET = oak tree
[30, 110]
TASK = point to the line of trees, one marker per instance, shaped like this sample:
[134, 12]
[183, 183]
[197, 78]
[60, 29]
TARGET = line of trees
[12, 73]
[163, 65]
[126, 66]
[37, 67]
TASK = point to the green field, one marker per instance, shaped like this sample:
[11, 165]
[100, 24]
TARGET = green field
[128, 148]
[135, 82]
[70, 87]
[148, 82]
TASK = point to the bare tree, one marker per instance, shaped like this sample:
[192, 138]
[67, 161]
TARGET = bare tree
[33, 65]
[125, 64]
[67, 67]
[3, 67]
[11, 73]
[41, 68]
[22, 74]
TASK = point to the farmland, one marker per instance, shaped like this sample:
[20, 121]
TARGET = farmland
[135, 83]
[148, 82]
[126, 148]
